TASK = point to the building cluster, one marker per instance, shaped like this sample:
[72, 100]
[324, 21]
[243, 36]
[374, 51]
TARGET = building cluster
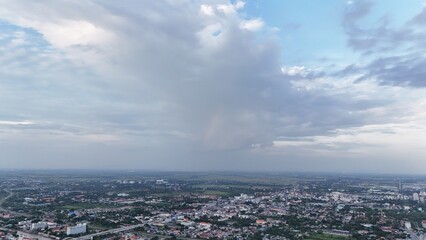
[134, 209]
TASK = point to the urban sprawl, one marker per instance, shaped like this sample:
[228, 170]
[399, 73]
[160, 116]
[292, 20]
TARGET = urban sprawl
[141, 205]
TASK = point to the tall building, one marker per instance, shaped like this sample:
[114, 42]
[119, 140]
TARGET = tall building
[416, 197]
[79, 228]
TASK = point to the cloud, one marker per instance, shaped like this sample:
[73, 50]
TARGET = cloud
[374, 142]
[392, 52]
[420, 18]
[230, 9]
[174, 74]
[167, 84]
[252, 25]
[301, 72]
[207, 10]
[15, 123]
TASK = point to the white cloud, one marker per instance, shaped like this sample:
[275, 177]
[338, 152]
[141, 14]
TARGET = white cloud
[296, 70]
[252, 25]
[231, 9]
[15, 122]
[207, 10]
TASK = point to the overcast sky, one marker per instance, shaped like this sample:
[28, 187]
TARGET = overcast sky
[259, 85]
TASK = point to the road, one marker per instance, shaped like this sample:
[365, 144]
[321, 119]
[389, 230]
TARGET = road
[30, 235]
[3, 200]
[116, 230]
[123, 229]
[27, 235]
[87, 237]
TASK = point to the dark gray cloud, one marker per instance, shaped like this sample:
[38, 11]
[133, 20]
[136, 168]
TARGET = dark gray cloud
[402, 71]
[395, 54]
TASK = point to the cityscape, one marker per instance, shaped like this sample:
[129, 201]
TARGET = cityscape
[213, 119]
[186, 205]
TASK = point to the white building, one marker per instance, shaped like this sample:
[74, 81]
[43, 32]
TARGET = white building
[161, 181]
[27, 222]
[38, 226]
[407, 225]
[79, 228]
[416, 197]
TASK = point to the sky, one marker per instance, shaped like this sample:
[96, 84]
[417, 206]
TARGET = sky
[204, 85]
